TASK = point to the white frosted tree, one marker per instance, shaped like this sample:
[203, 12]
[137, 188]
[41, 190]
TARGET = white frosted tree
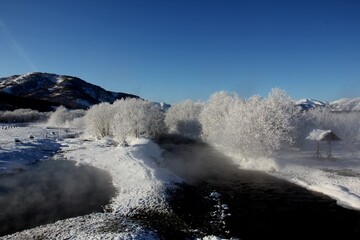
[183, 118]
[245, 125]
[98, 120]
[125, 118]
[64, 117]
[136, 118]
[253, 127]
[22, 115]
[281, 118]
[215, 115]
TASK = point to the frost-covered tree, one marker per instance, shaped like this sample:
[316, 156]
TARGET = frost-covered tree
[183, 118]
[215, 115]
[281, 118]
[64, 117]
[125, 118]
[137, 118]
[22, 115]
[98, 120]
[253, 127]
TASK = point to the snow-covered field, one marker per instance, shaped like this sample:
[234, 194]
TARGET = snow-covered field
[141, 178]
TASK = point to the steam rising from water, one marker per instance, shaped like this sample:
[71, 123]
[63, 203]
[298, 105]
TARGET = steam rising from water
[51, 191]
[193, 160]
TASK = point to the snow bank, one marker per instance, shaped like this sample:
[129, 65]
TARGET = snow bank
[339, 183]
[92, 226]
[136, 171]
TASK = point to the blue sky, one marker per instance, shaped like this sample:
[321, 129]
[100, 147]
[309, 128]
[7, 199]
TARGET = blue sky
[176, 50]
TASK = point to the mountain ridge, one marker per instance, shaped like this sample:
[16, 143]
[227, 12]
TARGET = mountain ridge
[346, 104]
[340, 105]
[50, 88]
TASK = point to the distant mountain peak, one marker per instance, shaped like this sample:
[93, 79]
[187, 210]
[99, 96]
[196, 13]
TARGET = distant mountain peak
[341, 105]
[308, 103]
[69, 91]
[346, 104]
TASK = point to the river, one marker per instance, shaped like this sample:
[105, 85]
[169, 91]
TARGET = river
[220, 199]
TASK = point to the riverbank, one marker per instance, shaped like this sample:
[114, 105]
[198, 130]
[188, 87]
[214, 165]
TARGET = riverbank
[337, 177]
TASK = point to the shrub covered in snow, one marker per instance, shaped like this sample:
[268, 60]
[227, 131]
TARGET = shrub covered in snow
[254, 126]
[64, 117]
[98, 120]
[183, 118]
[125, 118]
[22, 115]
[137, 118]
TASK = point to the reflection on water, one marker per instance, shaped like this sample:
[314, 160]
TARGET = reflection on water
[50, 191]
[220, 199]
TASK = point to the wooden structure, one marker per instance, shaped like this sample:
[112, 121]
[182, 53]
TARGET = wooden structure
[323, 135]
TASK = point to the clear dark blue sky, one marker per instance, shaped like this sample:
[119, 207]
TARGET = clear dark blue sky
[175, 50]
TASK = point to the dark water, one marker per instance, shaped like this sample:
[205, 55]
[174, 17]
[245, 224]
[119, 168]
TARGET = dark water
[50, 191]
[220, 199]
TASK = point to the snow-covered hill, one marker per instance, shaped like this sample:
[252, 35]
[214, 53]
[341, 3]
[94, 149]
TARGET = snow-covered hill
[341, 105]
[346, 104]
[310, 103]
[69, 91]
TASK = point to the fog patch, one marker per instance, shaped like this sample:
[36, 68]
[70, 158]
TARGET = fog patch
[194, 160]
[51, 191]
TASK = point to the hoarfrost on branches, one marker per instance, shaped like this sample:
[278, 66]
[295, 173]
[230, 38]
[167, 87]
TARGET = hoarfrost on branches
[125, 118]
[64, 117]
[183, 118]
[254, 127]
[137, 118]
[98, 120]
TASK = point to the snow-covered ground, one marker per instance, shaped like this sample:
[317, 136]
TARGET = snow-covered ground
[141, 179]
[337, 177]
[22, 145]
[136, 170]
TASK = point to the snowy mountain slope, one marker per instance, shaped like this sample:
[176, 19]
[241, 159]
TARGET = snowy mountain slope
[310, 103]
[64, 90]
[346, 104]
[341, 105]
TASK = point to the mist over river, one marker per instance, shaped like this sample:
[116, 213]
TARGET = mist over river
[220, 199]
[50, 191]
